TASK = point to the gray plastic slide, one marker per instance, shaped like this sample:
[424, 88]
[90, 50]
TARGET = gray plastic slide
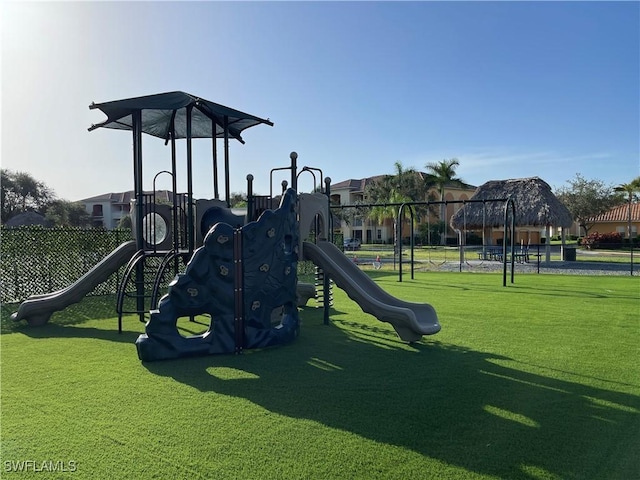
[37, 309]
[410, 320]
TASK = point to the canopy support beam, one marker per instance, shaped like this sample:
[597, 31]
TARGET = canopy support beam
[190, 216]
[214, 153]
[227, 182]
[138, 193]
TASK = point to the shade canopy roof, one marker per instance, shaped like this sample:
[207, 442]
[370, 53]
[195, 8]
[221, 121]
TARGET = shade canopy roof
[536, 205]
[166, 112]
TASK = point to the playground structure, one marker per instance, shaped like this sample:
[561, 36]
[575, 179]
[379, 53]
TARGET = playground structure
[241, 270]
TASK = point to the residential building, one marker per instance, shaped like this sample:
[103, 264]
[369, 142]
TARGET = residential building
[617, 220]
[108, 209]
[351, 192]
[367, 230]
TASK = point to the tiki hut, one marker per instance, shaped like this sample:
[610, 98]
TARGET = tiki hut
[537, 211]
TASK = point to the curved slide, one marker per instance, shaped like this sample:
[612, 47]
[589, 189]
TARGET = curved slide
[410, 320]
[37, 309]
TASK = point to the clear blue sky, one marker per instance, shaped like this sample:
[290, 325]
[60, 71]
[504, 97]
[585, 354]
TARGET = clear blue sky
[511, 89]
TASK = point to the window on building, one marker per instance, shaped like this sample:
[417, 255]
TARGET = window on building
[97, 211]
[623, 230]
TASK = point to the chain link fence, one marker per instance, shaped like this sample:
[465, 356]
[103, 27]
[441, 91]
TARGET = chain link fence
[36, 260]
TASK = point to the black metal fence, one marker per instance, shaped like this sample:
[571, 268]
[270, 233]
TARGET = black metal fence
[38, 260]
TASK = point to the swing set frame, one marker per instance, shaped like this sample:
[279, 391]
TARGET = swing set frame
[508, 224]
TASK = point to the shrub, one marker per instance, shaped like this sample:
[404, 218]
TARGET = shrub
[635, 242]
[602, 240]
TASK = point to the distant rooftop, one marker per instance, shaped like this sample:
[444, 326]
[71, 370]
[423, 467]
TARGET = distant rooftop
[126, 197]
[618, 214]
[358, 185]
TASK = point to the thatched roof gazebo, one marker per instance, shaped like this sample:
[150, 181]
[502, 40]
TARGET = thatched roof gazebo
[535, 204]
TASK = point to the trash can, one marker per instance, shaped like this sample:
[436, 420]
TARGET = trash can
[569, 254]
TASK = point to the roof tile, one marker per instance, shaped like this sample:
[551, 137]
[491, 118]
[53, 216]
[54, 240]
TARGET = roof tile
[618, 214]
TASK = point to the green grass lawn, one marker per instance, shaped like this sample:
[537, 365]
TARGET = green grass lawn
[537, 380]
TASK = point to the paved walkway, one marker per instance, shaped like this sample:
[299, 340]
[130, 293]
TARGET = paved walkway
[367, 262]
[554, 267]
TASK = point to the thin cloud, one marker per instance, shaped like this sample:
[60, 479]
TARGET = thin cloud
[473, 161]
[482, 164]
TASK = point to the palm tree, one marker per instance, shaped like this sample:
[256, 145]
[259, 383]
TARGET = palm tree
[403, 177]
[404, 185]
[630, 189]
[441, 174]
[380, 214]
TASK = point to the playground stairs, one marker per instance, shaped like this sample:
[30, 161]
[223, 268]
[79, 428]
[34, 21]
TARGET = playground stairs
[324, 289]
[138, 293]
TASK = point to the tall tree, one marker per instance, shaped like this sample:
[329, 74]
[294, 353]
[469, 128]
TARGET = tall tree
[381, 213]
[405, 185]
[238, 200]
[442, 174]
[62, 213]
[21, 192]
[629, 189]
[6, 186]
[587, 198]
[405, 181]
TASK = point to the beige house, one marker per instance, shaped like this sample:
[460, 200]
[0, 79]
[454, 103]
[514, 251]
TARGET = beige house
[352, 191]
[617, 220]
